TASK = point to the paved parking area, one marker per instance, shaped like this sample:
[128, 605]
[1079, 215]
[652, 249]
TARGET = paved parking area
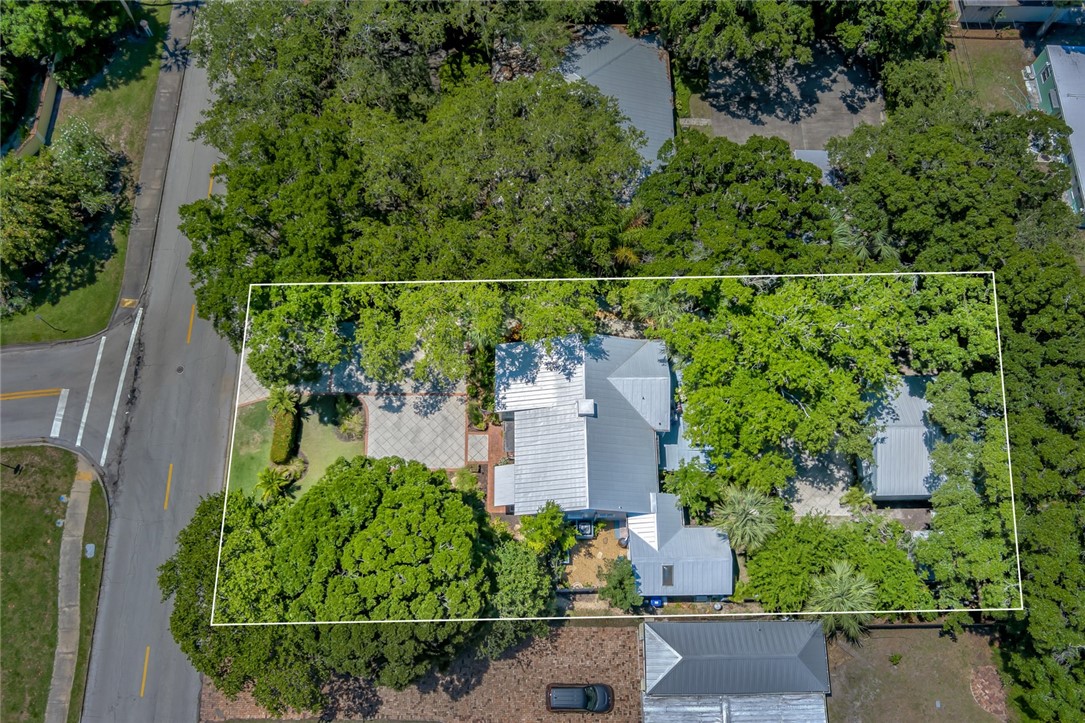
[820, 483]
[430, 428]
[511, 690]
[806, 108]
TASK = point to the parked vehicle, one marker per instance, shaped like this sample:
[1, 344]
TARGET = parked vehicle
[594, 698]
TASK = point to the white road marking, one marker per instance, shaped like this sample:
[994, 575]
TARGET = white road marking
[120, 387]
[90, 393]
[59, 416]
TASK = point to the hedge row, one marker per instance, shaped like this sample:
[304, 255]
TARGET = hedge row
[282, 437]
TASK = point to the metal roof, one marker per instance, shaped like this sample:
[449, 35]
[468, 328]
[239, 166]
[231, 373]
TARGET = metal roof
[1068, 65]
[699, 557]
[819, 159]
[790, 708]
[734, 658]
[504, 485]
[632, 71]
[606, 460]
[903, 444]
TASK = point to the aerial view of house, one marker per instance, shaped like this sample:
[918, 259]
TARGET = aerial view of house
[492, 361]
[735, 671]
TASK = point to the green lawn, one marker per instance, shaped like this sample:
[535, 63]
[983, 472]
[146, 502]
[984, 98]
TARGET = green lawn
[318, 443]
[252, 446]
[992, 68]
[90, 579]
[117, 105]
[29, 556]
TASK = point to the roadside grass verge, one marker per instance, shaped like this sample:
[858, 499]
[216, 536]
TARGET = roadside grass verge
[117, 103]
[90, 580]
[29, 555]
[252, 446]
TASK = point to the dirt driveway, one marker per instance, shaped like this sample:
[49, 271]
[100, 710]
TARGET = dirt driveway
[502, 691]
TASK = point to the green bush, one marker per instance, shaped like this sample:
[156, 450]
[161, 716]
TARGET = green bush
[620, 585]
[282, 437]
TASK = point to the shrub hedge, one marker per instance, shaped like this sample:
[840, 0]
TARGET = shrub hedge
[282, 437]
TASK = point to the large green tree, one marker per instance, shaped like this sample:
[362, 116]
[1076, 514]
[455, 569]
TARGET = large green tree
[42, 29]
[48, 203]
[766, 34]
[518, 179]
[718, 207]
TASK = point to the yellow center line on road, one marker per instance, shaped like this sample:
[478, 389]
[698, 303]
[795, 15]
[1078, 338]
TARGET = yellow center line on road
[211, 182]
[146, 659]
[191, 318]
[169, 480]
[30, 394]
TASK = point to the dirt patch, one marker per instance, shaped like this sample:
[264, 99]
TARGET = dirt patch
[510, 690]
[931, 680]
[589, 557]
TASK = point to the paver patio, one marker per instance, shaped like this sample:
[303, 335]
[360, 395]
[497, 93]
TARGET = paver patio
[427, 428]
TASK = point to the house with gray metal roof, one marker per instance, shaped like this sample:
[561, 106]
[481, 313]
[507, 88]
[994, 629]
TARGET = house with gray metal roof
[734, 671]
[633, 71]
[673, 560]
[586, 418]
[902, 445]
[1058, 86]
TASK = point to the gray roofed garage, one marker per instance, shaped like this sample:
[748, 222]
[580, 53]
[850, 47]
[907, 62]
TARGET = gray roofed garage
[734, 671]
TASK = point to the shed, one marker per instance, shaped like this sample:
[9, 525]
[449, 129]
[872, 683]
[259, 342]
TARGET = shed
[672, 560]
[903, 444]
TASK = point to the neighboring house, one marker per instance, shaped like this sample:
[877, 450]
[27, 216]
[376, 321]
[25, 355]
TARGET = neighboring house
[1017, 12]
[585, 420]
[1058, 78]
[734, 671]
[902, 446]
[633, 71]
[821, 160]
[672, 560]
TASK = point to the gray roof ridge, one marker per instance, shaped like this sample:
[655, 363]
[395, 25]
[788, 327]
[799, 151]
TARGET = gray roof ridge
[677, 657]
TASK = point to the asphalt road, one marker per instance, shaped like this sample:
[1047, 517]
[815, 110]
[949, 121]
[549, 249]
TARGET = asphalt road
[180, 417]
[148, 401]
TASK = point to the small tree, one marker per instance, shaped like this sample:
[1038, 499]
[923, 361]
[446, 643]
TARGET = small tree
[547, 530]
[841, 589]
[272, 484]
[747, 516]
[695, 486]
[283, 400]
[620, 585]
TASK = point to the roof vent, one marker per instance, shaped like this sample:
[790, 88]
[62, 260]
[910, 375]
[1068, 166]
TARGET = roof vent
[585, 408]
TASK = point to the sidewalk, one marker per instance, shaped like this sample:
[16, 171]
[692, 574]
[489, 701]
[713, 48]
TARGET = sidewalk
[71, 552]
[156, 157]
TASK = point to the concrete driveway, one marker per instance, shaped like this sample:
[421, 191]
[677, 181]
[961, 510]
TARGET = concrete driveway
[806, 107]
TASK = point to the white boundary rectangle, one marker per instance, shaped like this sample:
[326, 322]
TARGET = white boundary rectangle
[677, 616]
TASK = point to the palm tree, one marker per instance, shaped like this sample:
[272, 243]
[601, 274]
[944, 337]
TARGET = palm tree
[841, 589]
[283, 399]
[747, 516]
[867, 246]
[272, 483]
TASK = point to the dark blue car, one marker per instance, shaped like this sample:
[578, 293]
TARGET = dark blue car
[595, 698]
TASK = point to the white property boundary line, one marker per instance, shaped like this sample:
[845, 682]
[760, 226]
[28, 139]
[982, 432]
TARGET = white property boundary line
[659, 616]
